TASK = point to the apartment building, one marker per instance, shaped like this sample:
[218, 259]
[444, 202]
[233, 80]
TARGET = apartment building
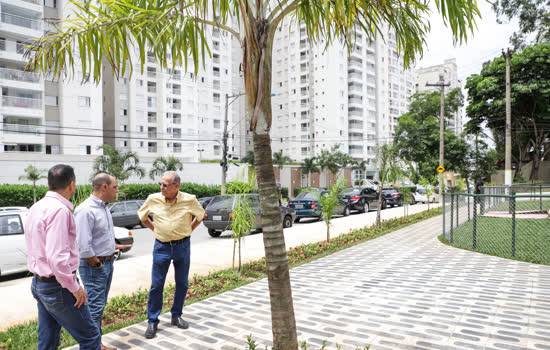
[163, 112]
[431, 75]
[328, 95]
[22, 107]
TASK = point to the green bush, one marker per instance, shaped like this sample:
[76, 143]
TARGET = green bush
[284, 192]
[238, 187]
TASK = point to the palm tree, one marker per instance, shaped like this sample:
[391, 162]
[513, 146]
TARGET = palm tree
[309, 167]
[162, 164]
[359, 165]
[280, 159]
[388, 171]
[33, 174]
[121, 165]
[175, 30]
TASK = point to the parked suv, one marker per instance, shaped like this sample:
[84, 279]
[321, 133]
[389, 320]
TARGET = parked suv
[219, 213]
[361, 199]
[307, 205]
[391, 196]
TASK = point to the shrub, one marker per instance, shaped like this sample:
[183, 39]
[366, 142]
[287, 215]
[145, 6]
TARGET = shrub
[239, 187]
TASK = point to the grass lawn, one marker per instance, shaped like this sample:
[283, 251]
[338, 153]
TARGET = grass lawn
[494, 237]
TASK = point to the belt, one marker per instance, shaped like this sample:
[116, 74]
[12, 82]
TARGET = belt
[179, 241]
[47, 279]
[106, 258]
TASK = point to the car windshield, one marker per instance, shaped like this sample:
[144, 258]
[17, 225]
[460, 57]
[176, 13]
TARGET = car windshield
[351, 192]
[221, 202]
[308, 195]
[421, 191]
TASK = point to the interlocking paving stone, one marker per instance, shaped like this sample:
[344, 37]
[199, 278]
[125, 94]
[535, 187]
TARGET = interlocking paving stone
[404, 290]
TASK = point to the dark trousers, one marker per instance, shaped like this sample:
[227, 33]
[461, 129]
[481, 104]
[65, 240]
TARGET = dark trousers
[163, 255]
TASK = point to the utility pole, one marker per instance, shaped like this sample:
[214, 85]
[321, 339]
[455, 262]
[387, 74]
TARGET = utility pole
[508, 148]
[225, 136]
[441, 84]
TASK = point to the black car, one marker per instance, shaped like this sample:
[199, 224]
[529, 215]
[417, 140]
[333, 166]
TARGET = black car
[219, 213]
[392, 196]
[125, 213]
[308, 205]
[361, 199]
[204, 201]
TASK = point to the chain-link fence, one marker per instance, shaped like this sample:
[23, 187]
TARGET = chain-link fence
[506, 221]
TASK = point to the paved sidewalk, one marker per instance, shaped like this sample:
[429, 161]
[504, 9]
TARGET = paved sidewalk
[404, 290]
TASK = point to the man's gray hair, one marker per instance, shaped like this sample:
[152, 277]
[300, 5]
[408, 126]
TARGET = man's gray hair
[100, 180]
[174, 175]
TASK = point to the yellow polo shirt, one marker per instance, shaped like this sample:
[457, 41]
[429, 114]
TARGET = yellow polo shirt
[171, 221]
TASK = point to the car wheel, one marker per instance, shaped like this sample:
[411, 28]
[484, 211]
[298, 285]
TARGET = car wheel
[214, 233]
[297, 220]
[365, 207]
[384, 205]
[346, 211]
[287, 221]
[118, 253]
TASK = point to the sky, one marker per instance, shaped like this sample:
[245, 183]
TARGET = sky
[484, 44]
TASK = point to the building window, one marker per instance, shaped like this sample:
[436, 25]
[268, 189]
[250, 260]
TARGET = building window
[84, 101]
[123, 112]
[88, 149]
[51, 101]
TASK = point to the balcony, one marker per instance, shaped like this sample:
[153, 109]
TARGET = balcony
[21, 102]
[176, 120]
[152, 149]
[19, 75]
[355, 101]
[152, 89]
[20, 21]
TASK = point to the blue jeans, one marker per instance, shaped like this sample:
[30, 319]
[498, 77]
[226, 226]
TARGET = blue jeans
[55, 310]
[97, 283]
[163, 254]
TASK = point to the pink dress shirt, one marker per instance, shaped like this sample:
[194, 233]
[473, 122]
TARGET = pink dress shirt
[50, 232]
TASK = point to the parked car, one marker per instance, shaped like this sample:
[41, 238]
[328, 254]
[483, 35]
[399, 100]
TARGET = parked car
[124, 213]
[421, 196]
[204, 201]
[123, 236]
[3, 209]
[13, 249]
[361, 199]
[220, 210]
[307, 205]
[391, 196]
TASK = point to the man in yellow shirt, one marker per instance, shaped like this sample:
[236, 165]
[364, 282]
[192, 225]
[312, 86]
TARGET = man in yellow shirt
[175, 215]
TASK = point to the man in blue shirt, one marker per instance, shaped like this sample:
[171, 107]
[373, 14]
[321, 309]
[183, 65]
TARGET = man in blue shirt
[96, 242]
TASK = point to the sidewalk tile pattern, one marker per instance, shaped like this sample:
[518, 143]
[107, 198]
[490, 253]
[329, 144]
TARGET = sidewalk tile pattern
[404, 290]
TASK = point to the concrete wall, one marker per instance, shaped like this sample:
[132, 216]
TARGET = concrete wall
[544, 173]
[13, 166]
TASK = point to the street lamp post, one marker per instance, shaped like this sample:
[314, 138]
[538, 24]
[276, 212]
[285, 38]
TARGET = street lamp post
[223, 162]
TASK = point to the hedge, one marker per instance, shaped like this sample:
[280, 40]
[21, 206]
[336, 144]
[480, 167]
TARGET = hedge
[22, 195]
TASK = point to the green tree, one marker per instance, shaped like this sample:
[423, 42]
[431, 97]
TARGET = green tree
[244, 220]
[174, 31]
[121, 165]
[533, 17]
[388, 171]
[530, 93]
[163, 164]
[330, 201]
[33, 174]
[334, 159]
[309, 166]
[280, 159]
[417, 133]
[249, 158]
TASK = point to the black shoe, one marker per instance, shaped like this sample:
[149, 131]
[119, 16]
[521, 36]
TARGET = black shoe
[151, 331]
[178, 321]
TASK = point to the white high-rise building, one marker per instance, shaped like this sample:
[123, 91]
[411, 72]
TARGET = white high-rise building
[163, 112]
[431, 75]
[327, 96]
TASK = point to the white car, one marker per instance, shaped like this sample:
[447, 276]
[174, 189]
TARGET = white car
[13, 249]
[420, 196]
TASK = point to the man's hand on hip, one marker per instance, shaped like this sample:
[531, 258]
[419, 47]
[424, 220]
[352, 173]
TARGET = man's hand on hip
[81, 297]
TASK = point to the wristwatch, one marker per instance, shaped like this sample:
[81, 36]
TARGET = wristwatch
[97, 265]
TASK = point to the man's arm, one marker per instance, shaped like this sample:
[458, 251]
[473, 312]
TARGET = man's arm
[85, 220]
[148, 223]
[143, 214]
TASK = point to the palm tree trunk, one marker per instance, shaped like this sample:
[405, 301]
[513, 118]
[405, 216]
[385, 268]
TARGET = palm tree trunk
[34, 191]
[379, 206]
[234, 246]
[239, 255]
[257, 69]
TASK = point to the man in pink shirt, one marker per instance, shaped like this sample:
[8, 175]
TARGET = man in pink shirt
[52, 256]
